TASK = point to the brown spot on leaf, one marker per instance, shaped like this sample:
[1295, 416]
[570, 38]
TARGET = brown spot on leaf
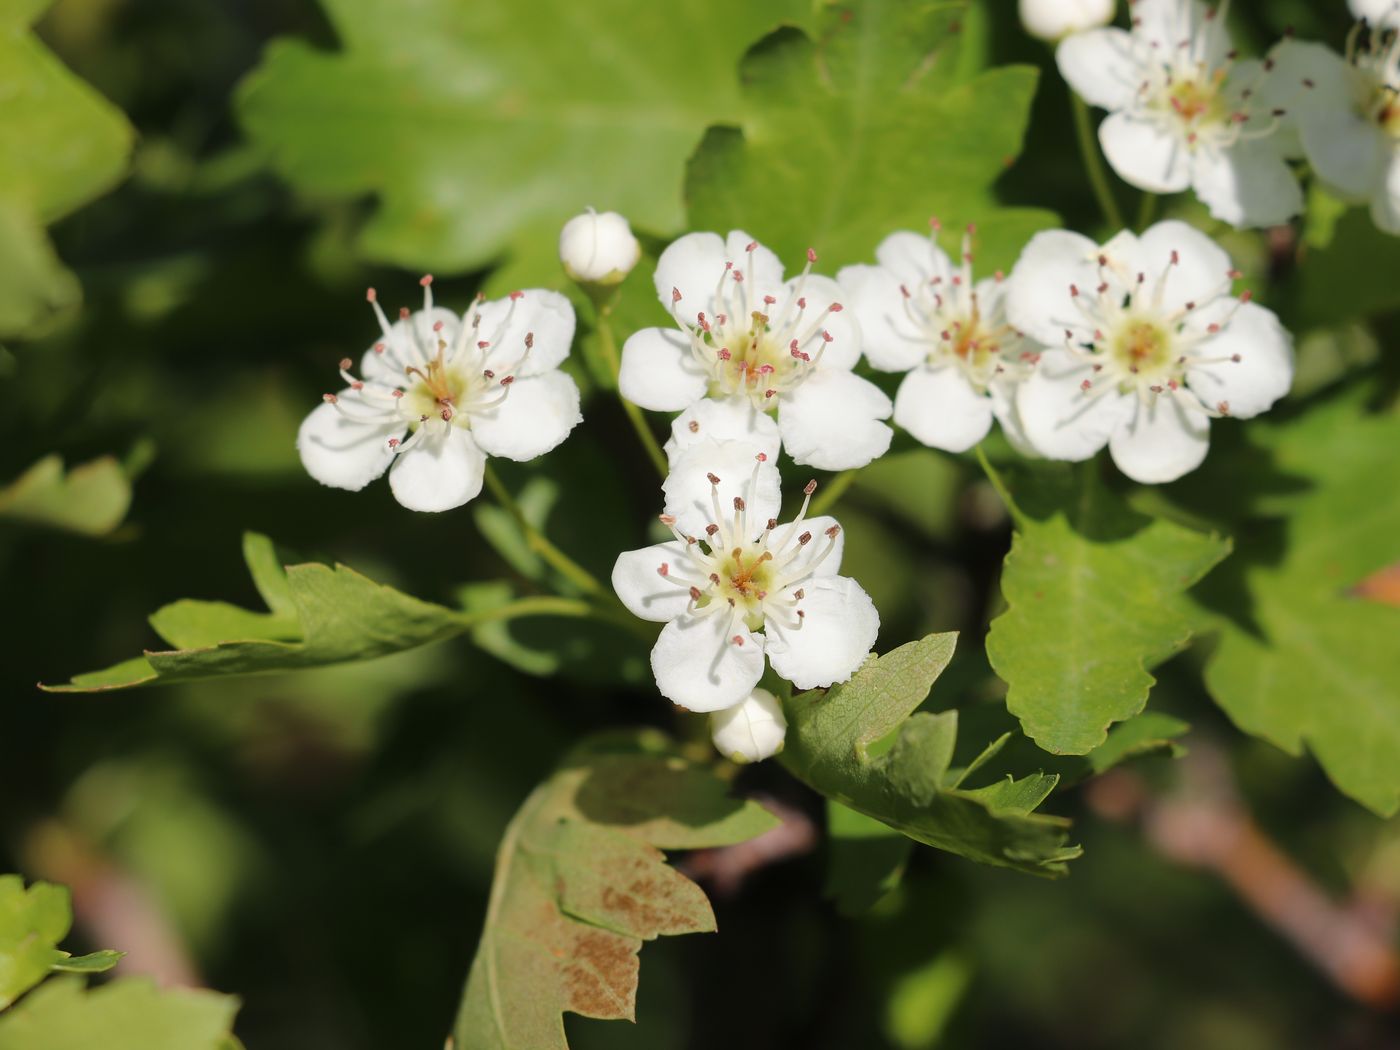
[600, 978]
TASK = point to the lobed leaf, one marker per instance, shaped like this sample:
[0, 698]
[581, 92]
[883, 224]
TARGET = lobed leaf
[1096, 598]
[1305, 659]
[479, 133]
[862, 745]
[871, 125]
[61, 145]
[581, 882]
[130, 1014]
[320, 615]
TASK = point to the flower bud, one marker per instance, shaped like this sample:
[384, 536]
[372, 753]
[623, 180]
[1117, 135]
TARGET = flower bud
[1054, 19]
[750, 731]
[598, 249]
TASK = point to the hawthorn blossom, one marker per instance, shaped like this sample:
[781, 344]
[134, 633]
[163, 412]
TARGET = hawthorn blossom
[1376, 12]
[439, 393]
[1184, 112]
[1347, 112]
[923, 315]
[751, 730]
[759, 346]
[1053, 19]
[598, 249]
[1152, 344]
[735, 586]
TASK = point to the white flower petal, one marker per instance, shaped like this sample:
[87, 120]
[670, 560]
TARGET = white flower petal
[941, 408]
[913, 257]
[838, 630]
[1102, 67]
[545, 315]
[1248, 185]
[659, 372]
[761, 267]
[439, 472]
[688, 494]
[1144, 155]
[1200, 273]
[890, 340]
[641, 587]
[342, 453]
[723, 419]
[1377, 12]
[1264, 371]
[751, 730]
[691, 265]
[699, 665]
[1004, 408]
[1060, 419]
[410, 342]
[1165, 25]
[1054, 19]
[1385, 205]
[831, 421]
[1038, 300]
[820, 292]
[537, 414]
[819, 557]
[1163, 441]
[1319, 89]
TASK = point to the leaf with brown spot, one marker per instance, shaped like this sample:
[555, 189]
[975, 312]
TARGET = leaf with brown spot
[581, 882]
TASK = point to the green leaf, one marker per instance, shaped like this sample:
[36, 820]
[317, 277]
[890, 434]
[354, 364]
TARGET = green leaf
[871, 127]
[1352, 276]
[1150, 733]
[130, 1014]
[94, 962]
[1096, 597]
[479, 130]
[866, 859]
[860, 744]
[329, 615]
[581, 882]
[91, 499]
[61, 145]
[32, 922]
[1304, 660]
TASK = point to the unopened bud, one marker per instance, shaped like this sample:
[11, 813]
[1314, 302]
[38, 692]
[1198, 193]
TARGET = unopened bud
[598, 248]
[1055, 19]
[750, 731]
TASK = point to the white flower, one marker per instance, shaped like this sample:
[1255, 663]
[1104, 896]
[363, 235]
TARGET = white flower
[735, 585]
[759, 346]
[751, 730]
[440, 393]
[921, 314]
[1376, 12]
[1153, 344]
[1184, 113]
[1347, 111]
[1053, 19]
[598, 249]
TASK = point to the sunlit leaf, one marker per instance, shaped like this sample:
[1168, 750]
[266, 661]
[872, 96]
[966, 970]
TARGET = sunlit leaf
[862, 745]
[61, 145]
[581, 882]
[32, 922]
[1096, 596]
[130, 1014]
[481, 129]
[323, 615]
[873, 124]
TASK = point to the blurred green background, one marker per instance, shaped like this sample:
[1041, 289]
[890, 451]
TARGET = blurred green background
[321, 844]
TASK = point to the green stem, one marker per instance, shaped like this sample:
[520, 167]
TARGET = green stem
[539, 543]
[833, 492]
[1093, 163]
[999, 484]
[608, 343]
[1147, 211]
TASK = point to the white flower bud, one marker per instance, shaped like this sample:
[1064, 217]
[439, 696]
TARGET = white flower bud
[751, 730]
[598, 249]
[1054, 19]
